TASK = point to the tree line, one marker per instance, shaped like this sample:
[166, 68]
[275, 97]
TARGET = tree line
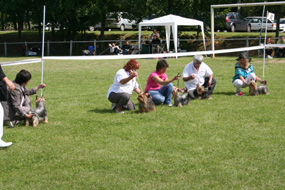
[75, 16]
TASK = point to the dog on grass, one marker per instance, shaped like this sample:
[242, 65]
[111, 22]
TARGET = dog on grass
[255, 90]
[39, 113]
[202, 93]
[181, 99]
[145, 103]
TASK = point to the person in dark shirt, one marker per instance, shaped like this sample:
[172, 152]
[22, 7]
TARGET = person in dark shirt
[155, 45]
[127, 48]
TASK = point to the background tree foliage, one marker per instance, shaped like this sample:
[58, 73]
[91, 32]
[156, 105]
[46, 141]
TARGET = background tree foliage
[74, 16]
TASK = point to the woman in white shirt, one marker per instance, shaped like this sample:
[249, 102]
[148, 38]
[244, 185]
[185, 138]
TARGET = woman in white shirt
[124, 84]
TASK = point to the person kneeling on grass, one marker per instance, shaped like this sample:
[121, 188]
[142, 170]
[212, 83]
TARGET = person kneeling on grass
[199, 73]
[124, 84]
[155, 80]
[19, 105]
[244, 73]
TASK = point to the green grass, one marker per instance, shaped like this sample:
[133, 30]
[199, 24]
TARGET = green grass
[228, 142]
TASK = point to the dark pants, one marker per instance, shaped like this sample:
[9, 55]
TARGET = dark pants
[122, 100]
[280, 51]
[269, 52]
[208, 89]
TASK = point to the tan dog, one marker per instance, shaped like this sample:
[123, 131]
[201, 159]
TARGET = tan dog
[145, 103]
[253, 88]
[200, 90]
[39, 113]
[180, 100]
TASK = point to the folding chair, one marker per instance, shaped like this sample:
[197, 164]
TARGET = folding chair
[145, 49]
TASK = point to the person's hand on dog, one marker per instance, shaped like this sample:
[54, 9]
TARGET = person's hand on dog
[148, 95]
[29, 116]
[264, 82]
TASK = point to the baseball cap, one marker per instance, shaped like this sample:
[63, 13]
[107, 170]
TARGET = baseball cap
[243, 55]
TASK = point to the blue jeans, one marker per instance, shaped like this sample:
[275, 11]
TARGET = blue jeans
[163, 95]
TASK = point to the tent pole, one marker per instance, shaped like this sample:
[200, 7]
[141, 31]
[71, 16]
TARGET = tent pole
[212, 32]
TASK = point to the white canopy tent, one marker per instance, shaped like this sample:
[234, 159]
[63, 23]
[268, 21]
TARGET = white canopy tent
[172, 21]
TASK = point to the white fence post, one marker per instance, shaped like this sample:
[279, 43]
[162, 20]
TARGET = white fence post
[5, 48]
[95, 46]
[70, 50]
[247, 44]
[26, 44]
[48, 48]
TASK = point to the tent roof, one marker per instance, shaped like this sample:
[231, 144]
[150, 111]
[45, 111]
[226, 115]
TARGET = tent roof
[170, 20]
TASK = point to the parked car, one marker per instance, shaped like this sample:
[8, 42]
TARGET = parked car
[232, 21]
[255, 23]
[282, 24]
[36, 26]
[116, 20]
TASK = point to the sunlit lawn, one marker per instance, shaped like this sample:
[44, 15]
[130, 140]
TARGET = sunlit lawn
[228, 142]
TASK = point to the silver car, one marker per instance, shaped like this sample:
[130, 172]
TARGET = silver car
[256, 22]
[116, 20]
[282, 24]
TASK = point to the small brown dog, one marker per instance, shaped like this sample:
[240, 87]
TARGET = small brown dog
[255, 90]
[180, 100]
[145, 103]
[202, 93]
[39, 113]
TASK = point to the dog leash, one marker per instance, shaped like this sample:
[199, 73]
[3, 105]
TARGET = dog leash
[138, 82]
[178, 83]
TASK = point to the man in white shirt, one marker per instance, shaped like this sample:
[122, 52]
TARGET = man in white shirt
[197, 72]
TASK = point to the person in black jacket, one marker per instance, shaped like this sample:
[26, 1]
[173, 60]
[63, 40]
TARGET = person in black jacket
[3, 97]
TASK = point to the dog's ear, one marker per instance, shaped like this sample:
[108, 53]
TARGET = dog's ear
[37, 97]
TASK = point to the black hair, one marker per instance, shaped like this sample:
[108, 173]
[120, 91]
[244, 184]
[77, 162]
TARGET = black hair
[161, 64]
[23, 76]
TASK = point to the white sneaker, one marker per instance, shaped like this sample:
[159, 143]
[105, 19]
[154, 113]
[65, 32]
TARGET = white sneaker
[120, 111]
[4, 144]
[170, 105]
[9, 124]
[269, 57]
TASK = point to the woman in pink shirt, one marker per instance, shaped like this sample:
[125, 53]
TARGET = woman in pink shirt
[155, 80]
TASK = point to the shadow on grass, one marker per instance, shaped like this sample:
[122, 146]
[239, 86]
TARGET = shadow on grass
[224, 93]
[103, 111]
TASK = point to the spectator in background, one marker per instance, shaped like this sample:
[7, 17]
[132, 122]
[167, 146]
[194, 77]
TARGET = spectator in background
[155, 45]
[127, 48]
[115, 49]
[280, 50]
[155, 33]
[269, 51]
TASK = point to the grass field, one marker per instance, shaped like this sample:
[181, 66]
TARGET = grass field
[228, 142]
